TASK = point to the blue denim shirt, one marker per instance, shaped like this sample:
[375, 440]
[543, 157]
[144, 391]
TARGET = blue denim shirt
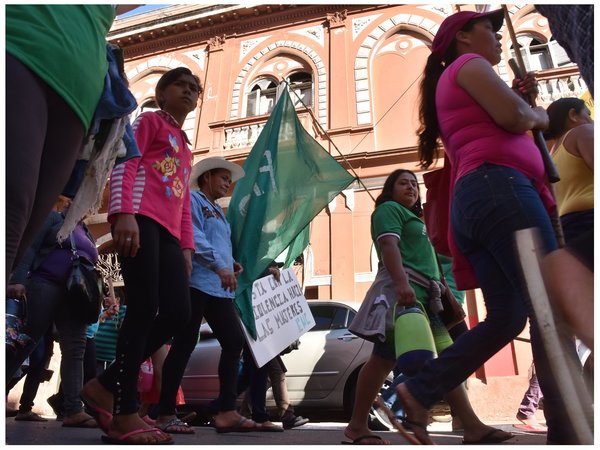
[212, 241]
[115, 102]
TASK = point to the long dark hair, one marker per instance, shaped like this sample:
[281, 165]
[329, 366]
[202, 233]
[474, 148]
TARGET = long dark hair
[171, 77]
[558, 112]
[387, 191]
[429, 129]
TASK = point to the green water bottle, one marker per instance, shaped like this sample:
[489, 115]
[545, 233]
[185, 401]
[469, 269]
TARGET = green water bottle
[413, 340]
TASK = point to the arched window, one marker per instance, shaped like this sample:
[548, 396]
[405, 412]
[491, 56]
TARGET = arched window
[301, 89]
[261, 98]
[540, 55]
[263, 93]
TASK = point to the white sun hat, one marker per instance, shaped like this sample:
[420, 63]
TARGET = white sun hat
[214, 162]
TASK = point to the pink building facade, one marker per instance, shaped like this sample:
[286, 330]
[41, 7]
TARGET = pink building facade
[354, 71]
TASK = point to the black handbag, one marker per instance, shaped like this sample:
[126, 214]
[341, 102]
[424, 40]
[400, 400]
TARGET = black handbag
[452, 312]
[84, 288]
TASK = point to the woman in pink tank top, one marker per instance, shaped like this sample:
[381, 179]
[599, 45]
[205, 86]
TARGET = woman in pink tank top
[498, 186]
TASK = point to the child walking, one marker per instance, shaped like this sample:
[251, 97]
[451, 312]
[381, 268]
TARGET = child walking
[149, 210]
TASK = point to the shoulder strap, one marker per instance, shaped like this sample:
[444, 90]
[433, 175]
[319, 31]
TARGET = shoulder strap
[73, 247]
[559, 143]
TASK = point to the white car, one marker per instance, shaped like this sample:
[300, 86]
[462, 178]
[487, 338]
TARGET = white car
[321, 373]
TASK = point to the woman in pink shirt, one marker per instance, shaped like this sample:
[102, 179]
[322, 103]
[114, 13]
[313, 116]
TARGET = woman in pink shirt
[149, 210]
[498, 186]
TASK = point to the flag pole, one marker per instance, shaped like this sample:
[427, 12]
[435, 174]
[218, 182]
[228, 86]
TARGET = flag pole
[332, 143]
[569, 383]
[551, 171]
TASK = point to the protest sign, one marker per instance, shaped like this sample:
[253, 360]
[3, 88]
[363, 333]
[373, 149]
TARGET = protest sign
[281, 314]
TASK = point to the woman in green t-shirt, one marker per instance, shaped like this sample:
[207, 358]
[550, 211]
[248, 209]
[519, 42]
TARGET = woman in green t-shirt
[403, 247]
[56, 66]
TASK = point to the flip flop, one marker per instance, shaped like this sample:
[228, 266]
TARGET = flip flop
[489, 438]
[150, 421]
[395, 421]
[123, 439]
[531, 428]
[358, 440]
[102, 416]
[268, 426]
[172, 426]
[237, 427]
[85, 422]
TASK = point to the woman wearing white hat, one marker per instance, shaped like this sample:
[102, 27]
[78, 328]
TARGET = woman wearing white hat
[212, 288]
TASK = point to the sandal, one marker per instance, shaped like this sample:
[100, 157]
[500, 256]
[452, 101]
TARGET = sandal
[238, 427]
[82, 420]
[30, 416]
[359, 440]
[175, 426]
[124, 438]
[268, 426]
[102, 416]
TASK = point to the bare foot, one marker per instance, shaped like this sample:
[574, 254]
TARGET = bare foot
[99, 401]
[416, 415]
[95, 393]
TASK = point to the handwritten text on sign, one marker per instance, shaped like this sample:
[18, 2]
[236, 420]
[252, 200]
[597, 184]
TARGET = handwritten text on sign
[281, 313]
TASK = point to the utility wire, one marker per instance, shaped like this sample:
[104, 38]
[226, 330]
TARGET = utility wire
[364, 137]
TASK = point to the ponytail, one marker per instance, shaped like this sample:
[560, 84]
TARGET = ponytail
[429, 130]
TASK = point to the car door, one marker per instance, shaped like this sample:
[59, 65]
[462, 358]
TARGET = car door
[200, 381]
[325, 354]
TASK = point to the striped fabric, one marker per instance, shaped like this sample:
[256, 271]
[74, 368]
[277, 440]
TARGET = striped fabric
[106, 336]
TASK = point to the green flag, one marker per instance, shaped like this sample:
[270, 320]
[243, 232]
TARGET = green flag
[289, 179]
[297, 247]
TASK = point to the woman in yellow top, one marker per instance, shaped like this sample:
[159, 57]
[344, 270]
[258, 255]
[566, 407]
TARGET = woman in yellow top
[569, 272]
[573, 153]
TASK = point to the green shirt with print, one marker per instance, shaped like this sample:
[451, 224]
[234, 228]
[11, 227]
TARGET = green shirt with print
[416, 249]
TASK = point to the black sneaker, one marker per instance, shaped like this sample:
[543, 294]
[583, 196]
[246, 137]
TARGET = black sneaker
[54, 403]
[293, 422]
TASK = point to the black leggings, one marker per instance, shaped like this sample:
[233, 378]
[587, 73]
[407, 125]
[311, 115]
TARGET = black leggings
[221, 315]
[43, 139]
[156, 282]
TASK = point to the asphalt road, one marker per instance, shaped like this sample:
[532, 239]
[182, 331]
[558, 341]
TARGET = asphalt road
[313, 433]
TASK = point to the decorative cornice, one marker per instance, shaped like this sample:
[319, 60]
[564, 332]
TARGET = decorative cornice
[146, 38]
[216, 43]
[337, 19]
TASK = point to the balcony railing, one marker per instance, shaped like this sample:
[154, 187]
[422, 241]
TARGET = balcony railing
[243, 133]
[553, 84]
[560, 83]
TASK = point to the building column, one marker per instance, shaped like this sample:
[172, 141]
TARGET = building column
[215, 90]
[342, 246]
[339, 67]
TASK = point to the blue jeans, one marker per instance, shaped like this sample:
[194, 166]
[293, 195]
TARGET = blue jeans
[489, 204]
[531, 399]
[46, 304]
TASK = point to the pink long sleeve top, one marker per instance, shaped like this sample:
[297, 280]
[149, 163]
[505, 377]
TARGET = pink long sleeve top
[155, 185]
